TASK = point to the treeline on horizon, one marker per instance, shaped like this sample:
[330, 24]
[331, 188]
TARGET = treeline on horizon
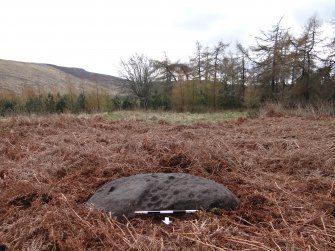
[280, 67]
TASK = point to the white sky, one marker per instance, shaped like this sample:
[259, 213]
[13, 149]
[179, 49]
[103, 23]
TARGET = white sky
[97, 34]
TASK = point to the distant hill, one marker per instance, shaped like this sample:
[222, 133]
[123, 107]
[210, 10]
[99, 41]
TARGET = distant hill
[17, 77]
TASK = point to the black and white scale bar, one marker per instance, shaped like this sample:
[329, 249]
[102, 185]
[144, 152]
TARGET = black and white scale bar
[166, 212]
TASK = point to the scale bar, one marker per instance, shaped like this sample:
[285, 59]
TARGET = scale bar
[166, 212]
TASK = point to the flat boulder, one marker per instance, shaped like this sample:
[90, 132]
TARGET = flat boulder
[161, 191]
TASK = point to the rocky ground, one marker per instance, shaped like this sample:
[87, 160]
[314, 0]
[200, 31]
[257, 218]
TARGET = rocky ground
[280, 167]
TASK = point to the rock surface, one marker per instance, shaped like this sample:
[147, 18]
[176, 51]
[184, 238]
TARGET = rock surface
[161, 191]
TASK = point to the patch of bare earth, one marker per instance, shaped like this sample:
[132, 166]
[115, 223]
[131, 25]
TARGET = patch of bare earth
[281, 168]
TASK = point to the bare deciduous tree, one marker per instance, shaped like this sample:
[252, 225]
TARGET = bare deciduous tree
[139, 71]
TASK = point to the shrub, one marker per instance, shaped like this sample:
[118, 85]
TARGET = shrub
[34, 105]
[6, 106]
[81, 103]
[228, 97]
[252, 97]
[60, 104]
[50, 105]
[159, 101]
[128, 103]
[194, 95]
[117, 103]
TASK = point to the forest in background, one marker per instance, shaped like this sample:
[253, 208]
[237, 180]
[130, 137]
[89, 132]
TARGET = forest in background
[281, 67]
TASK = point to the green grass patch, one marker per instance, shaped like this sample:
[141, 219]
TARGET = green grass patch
[173, 117]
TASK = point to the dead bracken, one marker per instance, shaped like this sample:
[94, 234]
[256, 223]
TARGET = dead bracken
[280, 167]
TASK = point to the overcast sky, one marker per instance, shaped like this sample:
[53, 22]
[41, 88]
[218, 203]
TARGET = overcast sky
[97, 34]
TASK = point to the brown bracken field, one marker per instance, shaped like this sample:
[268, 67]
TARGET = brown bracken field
[281, 166]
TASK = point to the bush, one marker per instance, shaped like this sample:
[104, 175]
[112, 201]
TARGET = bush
[50, 105]
[117, 103]
[34, 105]
[6, 106]
[128, 103]
[252, 97]
[81, 103]
[157, 101]
[60, 104]
[194, 95]
[228, 97]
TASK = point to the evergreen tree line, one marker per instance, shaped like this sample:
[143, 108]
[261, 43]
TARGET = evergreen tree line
[42, 104]
[74, 103]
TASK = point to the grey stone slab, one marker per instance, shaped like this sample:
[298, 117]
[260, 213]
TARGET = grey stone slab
[162, 191]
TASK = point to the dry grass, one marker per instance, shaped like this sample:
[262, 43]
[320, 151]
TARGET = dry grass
[281, 168]
[185, 118]
[314, 111]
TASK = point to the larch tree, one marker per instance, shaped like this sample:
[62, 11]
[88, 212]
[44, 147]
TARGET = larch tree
[166, 70]
[242, 56]
[271, 53]
[216, 56]
[306, 49]
[331, 48]
[196, 63]
[207, 63]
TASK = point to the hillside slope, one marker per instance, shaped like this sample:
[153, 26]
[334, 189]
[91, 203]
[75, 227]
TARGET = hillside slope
[16, 77]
